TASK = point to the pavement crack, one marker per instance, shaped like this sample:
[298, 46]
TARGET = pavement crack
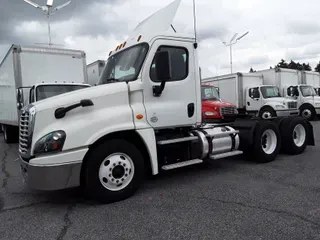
[282, 212]
[22, 206]
[4, 168]
[67, 222]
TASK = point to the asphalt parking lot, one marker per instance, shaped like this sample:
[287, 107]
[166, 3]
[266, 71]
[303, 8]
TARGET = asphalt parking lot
[230, 199]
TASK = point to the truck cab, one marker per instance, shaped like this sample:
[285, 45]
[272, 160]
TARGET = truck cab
[213, 108]
[268, 101]
[308, 99]
[144, 116]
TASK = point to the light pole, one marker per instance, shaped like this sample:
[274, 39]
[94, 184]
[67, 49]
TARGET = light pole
[233, 41]
[46, 10]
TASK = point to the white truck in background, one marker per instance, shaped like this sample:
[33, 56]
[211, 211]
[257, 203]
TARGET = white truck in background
[311, 78]
[29, 74]
[144, 116]
[293, 83]
[94, 71]
[253, 96]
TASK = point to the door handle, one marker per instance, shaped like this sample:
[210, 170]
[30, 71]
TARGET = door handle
[190, 109]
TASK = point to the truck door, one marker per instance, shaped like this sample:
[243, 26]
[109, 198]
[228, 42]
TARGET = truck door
[253, 99]
[176, 106]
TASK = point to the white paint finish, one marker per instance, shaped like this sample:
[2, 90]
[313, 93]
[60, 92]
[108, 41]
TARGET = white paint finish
[43, 67]
[75, 156]
[8, 97]
[111, 112]
[170, 109]
[310, 78]
[136, 104]
[159, 21]
[233, 87]
[149, 139]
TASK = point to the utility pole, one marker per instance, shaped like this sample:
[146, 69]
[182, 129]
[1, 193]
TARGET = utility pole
[233, 41]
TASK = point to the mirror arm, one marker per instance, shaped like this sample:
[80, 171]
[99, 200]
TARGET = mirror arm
[157, 90]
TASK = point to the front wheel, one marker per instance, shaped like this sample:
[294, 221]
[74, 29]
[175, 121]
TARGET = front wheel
[307, 112]
[267, 142]
[267, 112]
[113, 171]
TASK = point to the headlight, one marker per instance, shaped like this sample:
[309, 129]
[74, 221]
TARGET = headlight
[52, 142]
[236, 111]
[210, 113]
[280, 106]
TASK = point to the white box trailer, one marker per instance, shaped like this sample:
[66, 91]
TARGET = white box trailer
[311, 78]
[94, 71]
[297, 85]
[31, 73]
[252, 96]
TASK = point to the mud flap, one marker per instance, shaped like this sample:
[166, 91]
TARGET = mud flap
[246, 129]
[310, 140]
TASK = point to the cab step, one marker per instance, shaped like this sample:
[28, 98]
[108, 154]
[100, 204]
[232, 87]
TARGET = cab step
[224, 155]
[181, 164]
[176, 140]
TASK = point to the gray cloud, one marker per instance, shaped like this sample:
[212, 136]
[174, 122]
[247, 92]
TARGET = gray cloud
[14, 12]
[303, 28]
[258, 60]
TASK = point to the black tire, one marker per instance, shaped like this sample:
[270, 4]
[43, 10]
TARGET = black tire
[267, 111]
[10, 134]
[307, 112]
[258, 152]
[289, 133]
[1, 131]
[92, 185]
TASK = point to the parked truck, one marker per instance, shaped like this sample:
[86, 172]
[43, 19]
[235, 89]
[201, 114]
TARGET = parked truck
[296, 84]
[29, 74]
[253, 96]
[94, 71]
[145, 115]
[214, 109]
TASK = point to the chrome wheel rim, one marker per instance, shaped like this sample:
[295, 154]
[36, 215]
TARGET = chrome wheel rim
[299, 135]
[116, 171]
[269, 141]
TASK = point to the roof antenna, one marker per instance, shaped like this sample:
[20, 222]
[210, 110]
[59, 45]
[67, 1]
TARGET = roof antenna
[195, 24]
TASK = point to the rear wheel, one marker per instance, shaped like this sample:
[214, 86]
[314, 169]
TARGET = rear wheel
[267, 142]
[294, 134]
[113, 171]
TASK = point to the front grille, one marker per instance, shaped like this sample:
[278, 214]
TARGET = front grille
[292, 104]
[227, 111]
[24, 132]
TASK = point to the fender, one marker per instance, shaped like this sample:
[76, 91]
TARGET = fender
[306, 104]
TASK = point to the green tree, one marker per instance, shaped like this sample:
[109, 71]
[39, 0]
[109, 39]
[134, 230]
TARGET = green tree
[317, 68]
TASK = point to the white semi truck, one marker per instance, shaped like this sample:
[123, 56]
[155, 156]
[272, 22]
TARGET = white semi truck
[94, 71]
[145, 115]
[253, 96]
[295, 84]
[29, 74]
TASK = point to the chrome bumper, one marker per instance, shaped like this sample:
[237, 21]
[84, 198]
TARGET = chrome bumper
[287, 113]
[40, 174]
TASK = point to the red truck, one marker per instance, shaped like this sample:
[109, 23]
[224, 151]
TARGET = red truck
[213, 108]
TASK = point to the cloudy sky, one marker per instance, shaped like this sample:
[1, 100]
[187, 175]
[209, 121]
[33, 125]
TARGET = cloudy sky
[287, 29]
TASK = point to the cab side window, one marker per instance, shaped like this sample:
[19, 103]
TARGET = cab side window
[254, 93]
[179, 63]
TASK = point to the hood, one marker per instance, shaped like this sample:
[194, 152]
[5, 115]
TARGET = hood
[211, 103]
[281, 99]
[76, 96]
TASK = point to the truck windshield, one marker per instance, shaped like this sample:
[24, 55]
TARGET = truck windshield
[270, 92]
[46, 91]
[307, 91]
[125, 65]
[209, 93]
